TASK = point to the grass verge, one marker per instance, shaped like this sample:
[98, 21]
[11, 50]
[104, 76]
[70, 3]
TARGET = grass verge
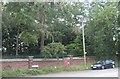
[19, 72]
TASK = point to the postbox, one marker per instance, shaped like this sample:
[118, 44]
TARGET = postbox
[68, 63]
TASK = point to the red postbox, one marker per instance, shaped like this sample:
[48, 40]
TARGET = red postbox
[68, 63]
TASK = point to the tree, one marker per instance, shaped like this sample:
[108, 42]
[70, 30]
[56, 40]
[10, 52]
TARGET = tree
[75, 48]
[100, 29]
[118, 32]
[53, 49]
[28, 27]
[16, 26]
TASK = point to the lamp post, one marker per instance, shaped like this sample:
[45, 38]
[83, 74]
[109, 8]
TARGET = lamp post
[82, 24]
[84, 45]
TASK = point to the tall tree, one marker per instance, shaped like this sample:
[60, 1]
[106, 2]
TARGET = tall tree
[118, 31]
[15, 25]
[101, 29]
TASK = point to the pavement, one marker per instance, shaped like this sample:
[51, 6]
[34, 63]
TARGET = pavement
[85, 73]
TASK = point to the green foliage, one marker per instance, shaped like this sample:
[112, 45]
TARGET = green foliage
[75, 48]
[17, 28]
[18, 73]
[27, 27]
[29, 22]
[33, 72]
[29, 38]
[101, 29]
[11, 73]
[53, 49]
[118, 33]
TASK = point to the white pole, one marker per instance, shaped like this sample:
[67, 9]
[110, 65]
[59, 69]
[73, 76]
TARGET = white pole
[84, 46]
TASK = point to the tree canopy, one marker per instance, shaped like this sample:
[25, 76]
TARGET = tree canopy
[51, 28]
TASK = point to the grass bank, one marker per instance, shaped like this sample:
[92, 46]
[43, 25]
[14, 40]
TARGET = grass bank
[19, 72]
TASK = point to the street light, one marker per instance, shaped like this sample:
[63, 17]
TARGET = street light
[82, 24]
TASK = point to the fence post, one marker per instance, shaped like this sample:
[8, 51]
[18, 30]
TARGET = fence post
[30, 62]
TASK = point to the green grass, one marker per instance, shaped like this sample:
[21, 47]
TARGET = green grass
[19, 72]
[11, 73]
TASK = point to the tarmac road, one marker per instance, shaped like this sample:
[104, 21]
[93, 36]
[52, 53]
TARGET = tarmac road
[85, 73]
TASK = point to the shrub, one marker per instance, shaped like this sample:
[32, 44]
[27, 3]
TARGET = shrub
[74, 49]
[53, 49]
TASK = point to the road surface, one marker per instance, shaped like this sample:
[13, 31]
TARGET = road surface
[85, 73]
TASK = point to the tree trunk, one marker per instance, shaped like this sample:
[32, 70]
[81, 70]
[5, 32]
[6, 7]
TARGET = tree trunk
[57, 57]
[42, 41]
[42, 33]
[42, 21]
[17, 39]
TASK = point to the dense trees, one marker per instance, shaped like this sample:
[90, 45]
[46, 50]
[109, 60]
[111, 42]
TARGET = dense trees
[51, 28]
[101, 29]
[118, 32]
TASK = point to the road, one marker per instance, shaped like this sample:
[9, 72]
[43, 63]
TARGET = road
[85, 73]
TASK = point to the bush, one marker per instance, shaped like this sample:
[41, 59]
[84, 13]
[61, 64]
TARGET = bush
[74, 49]
[53, 49]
